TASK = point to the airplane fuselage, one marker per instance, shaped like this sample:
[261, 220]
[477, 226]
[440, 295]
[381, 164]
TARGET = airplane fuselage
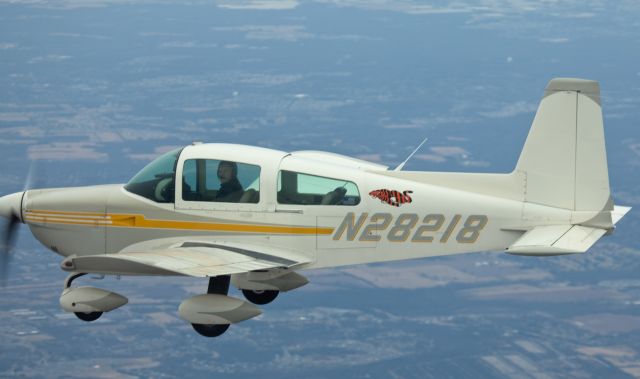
[437, 221]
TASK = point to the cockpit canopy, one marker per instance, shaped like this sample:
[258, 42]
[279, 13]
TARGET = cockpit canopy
[204, 179]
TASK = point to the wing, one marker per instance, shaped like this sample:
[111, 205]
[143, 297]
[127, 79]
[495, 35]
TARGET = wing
[188, 257]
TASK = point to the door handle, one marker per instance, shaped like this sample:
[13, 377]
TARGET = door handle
[289, 210]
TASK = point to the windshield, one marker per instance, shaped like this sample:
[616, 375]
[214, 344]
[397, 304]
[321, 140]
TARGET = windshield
[157, 180]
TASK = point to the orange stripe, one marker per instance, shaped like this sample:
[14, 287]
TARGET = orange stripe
[139, 221]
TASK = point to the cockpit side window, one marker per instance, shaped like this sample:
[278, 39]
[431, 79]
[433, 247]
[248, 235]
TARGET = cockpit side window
[305, 189]
[215, 180]
[157, 180]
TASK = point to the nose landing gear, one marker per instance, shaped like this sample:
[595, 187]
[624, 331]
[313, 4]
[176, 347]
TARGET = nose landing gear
[88, 303]
[84, 316]
[88, 317]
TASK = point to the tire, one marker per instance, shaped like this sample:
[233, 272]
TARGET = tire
[210, 330]
[88, 317]
[260, 297]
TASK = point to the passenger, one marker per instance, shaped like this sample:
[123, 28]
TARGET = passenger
[230, 188]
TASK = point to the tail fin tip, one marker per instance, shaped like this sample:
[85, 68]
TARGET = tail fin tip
[589, 88]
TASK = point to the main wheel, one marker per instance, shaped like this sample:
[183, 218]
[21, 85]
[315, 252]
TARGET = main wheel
[260, 297]
[210, 330]
[91, 316]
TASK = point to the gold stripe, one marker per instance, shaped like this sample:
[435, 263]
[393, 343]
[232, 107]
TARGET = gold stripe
[139, 221]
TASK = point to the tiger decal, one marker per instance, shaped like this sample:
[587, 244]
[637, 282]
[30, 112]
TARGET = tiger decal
[392, 197]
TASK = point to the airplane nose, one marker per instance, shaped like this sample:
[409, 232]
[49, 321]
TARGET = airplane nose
[10, 206]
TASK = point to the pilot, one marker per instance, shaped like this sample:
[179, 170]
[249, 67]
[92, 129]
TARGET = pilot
[230, 188]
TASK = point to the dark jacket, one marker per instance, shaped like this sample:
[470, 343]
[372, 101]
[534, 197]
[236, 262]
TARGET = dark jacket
[230, 192]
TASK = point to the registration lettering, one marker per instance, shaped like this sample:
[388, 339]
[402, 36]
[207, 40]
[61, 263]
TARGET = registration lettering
[409, 227]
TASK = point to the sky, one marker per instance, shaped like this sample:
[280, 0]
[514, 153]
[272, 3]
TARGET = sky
[94, 90]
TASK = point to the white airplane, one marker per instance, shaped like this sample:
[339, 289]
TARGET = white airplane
[256, 217]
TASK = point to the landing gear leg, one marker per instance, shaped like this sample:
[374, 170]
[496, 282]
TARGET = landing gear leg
[71, 278]
[90, 316]
[217, 285]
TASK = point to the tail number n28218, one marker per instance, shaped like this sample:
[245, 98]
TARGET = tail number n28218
[431, 228]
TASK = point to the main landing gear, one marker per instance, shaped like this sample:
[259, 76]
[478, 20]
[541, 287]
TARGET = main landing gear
[209, 314]
[217, 285]
[260, 297]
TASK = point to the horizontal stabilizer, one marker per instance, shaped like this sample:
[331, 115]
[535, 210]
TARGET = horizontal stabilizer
[618, 213]
[556, 240]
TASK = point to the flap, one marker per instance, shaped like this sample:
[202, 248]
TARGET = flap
[198, 259]
[556, 240]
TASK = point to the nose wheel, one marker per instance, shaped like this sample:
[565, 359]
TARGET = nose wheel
[84, 316]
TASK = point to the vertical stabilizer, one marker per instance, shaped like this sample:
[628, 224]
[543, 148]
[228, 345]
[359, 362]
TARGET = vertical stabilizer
[564, 159]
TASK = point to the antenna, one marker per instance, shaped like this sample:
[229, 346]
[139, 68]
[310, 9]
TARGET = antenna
[401, 165]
